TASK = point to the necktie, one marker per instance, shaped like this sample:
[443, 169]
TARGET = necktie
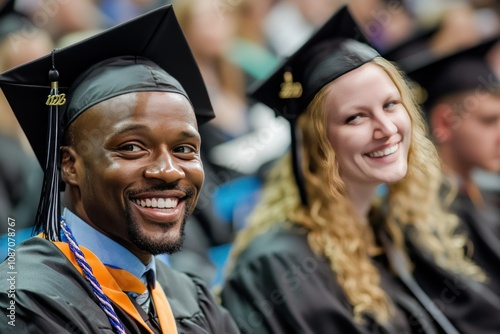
[144, 300]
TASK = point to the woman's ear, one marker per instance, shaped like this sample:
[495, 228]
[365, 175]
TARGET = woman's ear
[69, 171]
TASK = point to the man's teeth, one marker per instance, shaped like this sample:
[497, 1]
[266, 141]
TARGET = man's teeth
[383, 153]
[160, 203]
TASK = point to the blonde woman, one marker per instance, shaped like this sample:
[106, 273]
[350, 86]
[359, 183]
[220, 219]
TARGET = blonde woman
[321, 254]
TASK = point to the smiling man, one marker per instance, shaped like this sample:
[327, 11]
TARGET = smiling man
[127, 148]
[146, 167]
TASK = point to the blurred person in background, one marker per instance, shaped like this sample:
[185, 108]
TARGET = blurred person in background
[210, 36]
[60, 18]
[118, 11]
[460, 94]
[439, 28]
[250, 49]
[291, 22]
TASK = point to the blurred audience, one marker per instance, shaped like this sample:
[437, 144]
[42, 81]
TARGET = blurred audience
[291, 22]
[60, 18]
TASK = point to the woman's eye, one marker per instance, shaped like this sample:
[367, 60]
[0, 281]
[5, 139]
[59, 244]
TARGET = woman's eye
[130, 148]
[353, 118]
[391, 104]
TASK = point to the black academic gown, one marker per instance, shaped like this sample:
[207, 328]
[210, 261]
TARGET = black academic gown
[51, 296]
[482, 226]
[280, 286]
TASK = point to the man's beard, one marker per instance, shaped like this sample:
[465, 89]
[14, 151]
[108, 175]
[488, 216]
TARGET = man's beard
[151, 246]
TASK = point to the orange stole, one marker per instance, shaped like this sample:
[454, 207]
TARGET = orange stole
[114, 281]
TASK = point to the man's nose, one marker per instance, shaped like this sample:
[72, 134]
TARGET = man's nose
[166, 168]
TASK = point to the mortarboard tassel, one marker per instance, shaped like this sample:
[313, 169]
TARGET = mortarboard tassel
[296, 161]
[291, 91]
[48, 213]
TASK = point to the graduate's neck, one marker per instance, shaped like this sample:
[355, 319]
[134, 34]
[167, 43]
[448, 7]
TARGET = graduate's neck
[77, 208]
[361, 196]
[141, 255]
[452, 165]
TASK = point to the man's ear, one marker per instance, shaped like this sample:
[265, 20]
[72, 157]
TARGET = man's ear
[443, 121]
[69, 171]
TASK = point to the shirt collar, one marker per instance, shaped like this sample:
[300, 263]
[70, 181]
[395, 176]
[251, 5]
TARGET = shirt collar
[111, 253]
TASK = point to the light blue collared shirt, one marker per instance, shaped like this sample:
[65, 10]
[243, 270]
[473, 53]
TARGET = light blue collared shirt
[110, 252]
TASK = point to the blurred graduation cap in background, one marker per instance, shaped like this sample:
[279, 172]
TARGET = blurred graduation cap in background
[148, 53]
[461, 71]
[337, 48]
[414, 47]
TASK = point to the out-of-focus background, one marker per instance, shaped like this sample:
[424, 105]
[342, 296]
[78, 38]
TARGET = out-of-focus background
[236, 43]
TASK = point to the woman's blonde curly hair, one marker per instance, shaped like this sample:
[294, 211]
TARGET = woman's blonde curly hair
[334, 230]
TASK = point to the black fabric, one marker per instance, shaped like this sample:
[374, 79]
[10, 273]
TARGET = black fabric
[482, 226]
[280, 286]
[52, 297]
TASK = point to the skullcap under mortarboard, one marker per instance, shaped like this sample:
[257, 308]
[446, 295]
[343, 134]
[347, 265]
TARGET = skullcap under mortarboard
[458, 72]
[337, 48]
[155, 36]
[94, 86]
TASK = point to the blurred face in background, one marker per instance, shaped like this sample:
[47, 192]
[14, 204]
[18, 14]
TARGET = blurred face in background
[316, 12]
[209, 28]
[475, 135]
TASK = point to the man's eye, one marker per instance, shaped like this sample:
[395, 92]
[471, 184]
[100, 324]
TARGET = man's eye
[130, 148]
[489, 120]
[184, 149]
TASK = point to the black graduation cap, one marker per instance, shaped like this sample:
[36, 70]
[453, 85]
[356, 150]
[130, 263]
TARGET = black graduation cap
[337, 48]
[460, 71]
[332, 51]
[148, 53]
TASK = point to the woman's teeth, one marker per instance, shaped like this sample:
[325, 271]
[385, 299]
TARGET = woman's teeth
[383, 153]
